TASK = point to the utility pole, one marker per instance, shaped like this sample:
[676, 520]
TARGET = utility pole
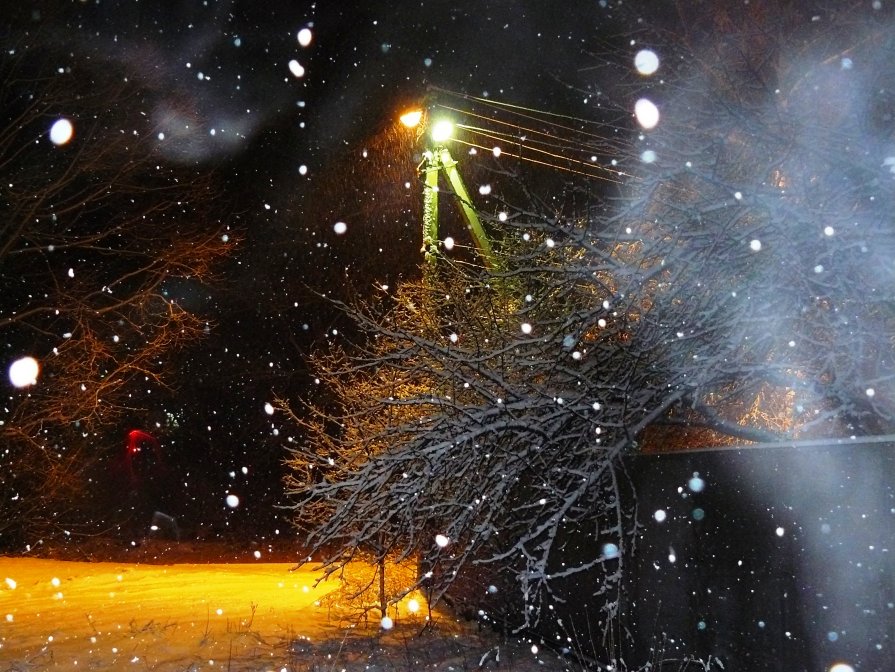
[436, 161]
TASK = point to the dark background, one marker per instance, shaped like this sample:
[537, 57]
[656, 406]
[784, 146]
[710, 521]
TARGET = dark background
[292, 155]
[782, 561]
[367, 61]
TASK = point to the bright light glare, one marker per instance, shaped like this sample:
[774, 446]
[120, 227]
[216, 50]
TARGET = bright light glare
[61, 132]
[842, 667]
[647, 113]
[305, 36]
[696, 484]
[23, 372]
[646, 62]
[412, 118]
[610, 551]
[442, 130]
[296, 68]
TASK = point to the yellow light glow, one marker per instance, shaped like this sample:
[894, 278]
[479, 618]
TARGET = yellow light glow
[412, 118]
[442, 130]
[206, 602]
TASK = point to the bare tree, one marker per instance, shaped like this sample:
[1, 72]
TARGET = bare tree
[473, 425]
[99, 234]
[737, 287]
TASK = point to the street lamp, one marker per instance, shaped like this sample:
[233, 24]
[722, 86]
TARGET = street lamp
[412, 118]
[437, 160]
[442, 130]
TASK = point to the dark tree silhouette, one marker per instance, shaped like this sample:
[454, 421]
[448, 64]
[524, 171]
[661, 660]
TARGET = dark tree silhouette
[738, 287]
[99, 237]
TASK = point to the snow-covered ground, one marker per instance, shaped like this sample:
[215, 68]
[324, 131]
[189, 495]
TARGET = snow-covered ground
[115, 616]
[61, 615]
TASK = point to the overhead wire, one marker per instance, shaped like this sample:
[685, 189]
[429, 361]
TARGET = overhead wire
[528, 130]
[525, 139]
[552, 159]
[538, 137]
[542, 163]
[512, 106]
[523, 145]
[542, 117]
[554, 145]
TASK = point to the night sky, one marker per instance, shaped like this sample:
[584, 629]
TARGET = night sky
[297, 154]
[289, 109]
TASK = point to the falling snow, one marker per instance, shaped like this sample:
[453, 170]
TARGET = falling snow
[296, 68]
[61, 132]
[647, 113]
[646, 61]
[640, 288]
[23, 372]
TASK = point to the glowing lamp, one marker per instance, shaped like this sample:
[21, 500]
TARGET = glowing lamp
[442, 130]
[412, 118]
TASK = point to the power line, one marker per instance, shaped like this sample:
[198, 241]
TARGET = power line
[531, 110]
[545, 142]
[544, 163]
